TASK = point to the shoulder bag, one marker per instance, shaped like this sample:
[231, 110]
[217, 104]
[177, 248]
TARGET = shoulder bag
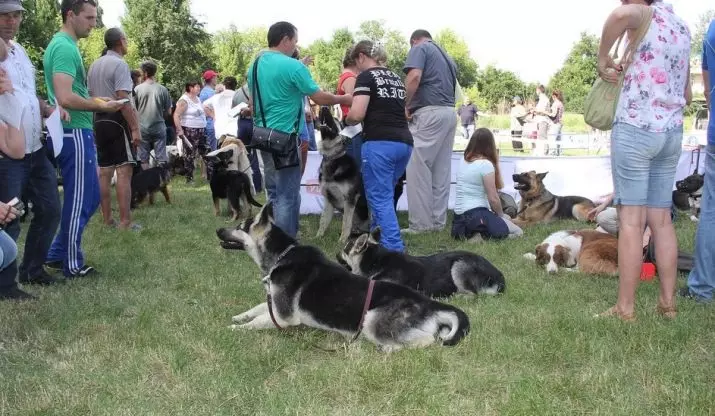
[601, 101]
[458, 94]
[282, 146]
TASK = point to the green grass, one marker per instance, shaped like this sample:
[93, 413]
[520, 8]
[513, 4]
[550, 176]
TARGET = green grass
[150, 337]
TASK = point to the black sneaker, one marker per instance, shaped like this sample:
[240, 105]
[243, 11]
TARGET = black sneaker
[15, 293]
[43, 279]
[54, 265]
[83, 272]
[685, 293]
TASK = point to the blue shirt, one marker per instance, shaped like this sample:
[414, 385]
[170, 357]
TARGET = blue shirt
[206, 93]
[709, 60]
[470, 192]
[283, 83]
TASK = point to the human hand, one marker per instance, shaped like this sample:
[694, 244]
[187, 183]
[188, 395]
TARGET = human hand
[608, 70]
[592, 214]
[5, 83]
[7, 213]
[307, 60]
[112, 106]
[408, 116]
[136, 138]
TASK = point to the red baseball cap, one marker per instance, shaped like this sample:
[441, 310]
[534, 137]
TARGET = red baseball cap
[209, 75]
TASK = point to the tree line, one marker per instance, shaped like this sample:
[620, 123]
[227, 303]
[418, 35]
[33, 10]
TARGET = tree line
[166, 32]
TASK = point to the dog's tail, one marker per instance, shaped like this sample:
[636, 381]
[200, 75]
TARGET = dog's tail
[453, 325]
[247, 192]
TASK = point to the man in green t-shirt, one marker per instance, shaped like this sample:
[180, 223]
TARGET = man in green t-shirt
[66, 82]
[283, 84]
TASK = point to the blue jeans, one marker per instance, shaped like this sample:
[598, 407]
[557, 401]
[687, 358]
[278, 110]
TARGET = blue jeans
[480, 221]
[383, 163]
[245, 133]
[8, 250]
[78, 162]
[354, 150]
[283, 189]
[701, 281]
[211, 135]
[154, 141]
[35, 179]
[312, 145]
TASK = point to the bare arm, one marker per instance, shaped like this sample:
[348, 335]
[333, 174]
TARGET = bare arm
[349, 85]
[69, 100]
[324, 98]
[12, 143]
[181, 107]
[689, 88]
[490, 186]
[411, 84]
[624, 18]
[358, 110]
[130, 114]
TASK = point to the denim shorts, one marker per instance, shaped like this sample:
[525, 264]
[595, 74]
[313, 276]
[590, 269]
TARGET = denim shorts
[643, 165]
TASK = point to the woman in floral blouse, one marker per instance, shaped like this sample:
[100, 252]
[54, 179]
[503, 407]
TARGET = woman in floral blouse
[646, 142]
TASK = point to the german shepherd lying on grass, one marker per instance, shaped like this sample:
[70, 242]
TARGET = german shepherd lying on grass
[538, 205]
[304, 287]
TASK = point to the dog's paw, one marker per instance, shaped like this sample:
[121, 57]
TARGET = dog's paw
[693, 218]
[530, 256]
[241, 319]
[571, 269]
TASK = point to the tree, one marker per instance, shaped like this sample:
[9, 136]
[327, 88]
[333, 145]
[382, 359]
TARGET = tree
[328, 58]
[392, 41]
[234, 50]
[166, 32]
[91, 49]
[497, 86]
[577, 75]
[41, 21]
[456, 47]
[699, 33]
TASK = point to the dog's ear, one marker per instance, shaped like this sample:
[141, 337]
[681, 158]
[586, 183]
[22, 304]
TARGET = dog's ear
[541, 176]
[266, 215]
[375, 234]
[361, 243]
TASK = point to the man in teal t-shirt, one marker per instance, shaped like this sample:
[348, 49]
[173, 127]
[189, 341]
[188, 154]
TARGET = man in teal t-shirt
[66, 82]
[283, 82]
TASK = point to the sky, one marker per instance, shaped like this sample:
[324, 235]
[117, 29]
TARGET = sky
[522, 36]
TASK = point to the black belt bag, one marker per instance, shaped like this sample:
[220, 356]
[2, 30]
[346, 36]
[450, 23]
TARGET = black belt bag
[282, 146]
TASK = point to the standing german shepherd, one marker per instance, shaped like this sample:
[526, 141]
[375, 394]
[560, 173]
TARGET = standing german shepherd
[227, 182]
[340, 181]
[538, 205]
[305, 288]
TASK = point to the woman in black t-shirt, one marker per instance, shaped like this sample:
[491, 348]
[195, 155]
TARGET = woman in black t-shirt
[379, 103]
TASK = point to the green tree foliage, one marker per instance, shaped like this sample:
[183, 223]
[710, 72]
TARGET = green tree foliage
[698, 34]
[578, 73]
[91, 49]
[235, 50]
[328, 58]
[394, 43]
[42, 19]
[165, 31]
[456, 47]
[497, 87]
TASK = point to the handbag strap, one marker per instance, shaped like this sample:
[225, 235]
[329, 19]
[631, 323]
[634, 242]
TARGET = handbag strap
[256, 94]
[627, 58]
[449, 64]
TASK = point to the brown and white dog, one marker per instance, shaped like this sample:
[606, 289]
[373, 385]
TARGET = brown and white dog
[538, 205]
[586, 251]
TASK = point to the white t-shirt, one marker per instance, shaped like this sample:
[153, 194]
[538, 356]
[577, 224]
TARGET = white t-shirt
[22, 75]
[470, 192]
[222, 104]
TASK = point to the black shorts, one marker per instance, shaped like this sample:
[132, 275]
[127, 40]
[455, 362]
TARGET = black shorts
[113, 139]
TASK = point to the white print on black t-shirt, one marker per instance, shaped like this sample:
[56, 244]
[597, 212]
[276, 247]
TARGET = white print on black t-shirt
[388, 92]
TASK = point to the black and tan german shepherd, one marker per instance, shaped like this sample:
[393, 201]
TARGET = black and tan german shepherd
[145, 183]
[538, 205]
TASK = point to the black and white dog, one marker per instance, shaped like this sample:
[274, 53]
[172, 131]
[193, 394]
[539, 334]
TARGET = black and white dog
[228, 182]
[688, 193]
[304, 287]
[340, 181]
[437, 275]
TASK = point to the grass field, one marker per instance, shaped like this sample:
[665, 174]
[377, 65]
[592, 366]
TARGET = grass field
[149, 337]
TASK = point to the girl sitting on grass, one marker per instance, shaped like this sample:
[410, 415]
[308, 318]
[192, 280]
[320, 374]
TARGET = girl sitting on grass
[478, 210]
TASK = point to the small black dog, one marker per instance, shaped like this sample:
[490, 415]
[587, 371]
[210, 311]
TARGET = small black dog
[229, 183]
[688, 193]
[148, 182]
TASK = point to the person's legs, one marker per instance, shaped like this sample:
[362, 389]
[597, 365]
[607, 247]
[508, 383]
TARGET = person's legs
[303, 156]
[8, 250]
[470, 131]
[312, 145]
[12, 180]
[41, 189]
[105, 193]
[145, 145]
[354, 150]
[701, 281]
[159, 144]
[287, 199]
[124, 194]
[608, 220]
[193, 136]
[662, 177]
[442, 168]
[427, 132]
[380, 173]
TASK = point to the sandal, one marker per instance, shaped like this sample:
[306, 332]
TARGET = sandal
[669, 312]
[614, 312]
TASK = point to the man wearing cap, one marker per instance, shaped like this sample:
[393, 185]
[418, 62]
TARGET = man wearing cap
[208, 91]
[66, 83]
[116, 134]
[33, 176]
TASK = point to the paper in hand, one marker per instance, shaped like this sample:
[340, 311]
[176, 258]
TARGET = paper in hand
[351, 131]
[11, 112]
[57, 132]
[235, 111]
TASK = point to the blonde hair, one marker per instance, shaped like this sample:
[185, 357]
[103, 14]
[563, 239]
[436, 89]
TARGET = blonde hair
[370, 49]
